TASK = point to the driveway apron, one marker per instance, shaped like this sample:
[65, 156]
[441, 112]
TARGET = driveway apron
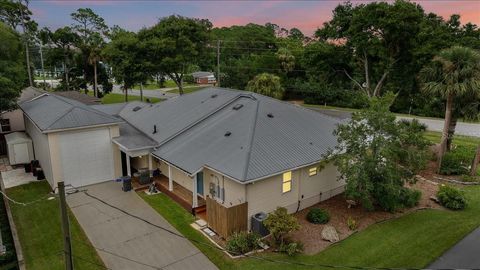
[125, 242]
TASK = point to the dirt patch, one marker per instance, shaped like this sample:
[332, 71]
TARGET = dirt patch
[310, 234]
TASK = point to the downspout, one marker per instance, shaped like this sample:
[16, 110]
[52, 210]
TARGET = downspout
[299, 190]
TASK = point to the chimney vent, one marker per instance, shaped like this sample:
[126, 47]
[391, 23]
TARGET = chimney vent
[154, 129]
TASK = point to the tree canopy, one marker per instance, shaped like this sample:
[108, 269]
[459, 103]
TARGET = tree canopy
[12, 67]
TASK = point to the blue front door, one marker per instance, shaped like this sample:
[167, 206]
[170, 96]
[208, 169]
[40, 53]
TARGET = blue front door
[200, 183]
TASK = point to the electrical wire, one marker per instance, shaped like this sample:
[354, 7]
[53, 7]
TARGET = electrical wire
[26, 203]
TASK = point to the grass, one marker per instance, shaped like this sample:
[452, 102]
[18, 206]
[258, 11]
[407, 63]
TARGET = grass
[187, 90]
[155, 86]
[413, 240]
[40, 231]
[458, 139]
[111, 98]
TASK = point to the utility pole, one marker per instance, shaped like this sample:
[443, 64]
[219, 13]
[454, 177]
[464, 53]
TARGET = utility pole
[25, 38]
[218, 62]
[43, 68]
[67, 245]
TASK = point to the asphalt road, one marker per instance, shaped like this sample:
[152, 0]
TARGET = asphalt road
[464, 255]
[467, 129]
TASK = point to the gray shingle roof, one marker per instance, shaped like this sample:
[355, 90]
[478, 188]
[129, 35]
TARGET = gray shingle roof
[201, 74]
[52, 112]
[192, 128]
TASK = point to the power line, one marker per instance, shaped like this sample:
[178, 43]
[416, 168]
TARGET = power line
[248, 256]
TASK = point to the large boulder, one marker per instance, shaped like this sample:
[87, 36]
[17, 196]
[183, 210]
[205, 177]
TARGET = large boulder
[330, 234]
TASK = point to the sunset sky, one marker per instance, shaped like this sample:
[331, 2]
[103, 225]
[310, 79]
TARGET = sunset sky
[305, 15]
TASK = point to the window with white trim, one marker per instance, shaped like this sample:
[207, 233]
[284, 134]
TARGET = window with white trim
[287, 182]
[312, 171]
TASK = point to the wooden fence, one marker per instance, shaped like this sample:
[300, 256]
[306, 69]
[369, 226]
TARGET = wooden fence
[226, 221]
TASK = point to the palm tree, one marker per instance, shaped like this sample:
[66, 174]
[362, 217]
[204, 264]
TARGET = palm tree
[454, 72]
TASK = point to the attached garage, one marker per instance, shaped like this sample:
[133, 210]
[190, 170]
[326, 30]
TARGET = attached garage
[72, 141]
[86, 156]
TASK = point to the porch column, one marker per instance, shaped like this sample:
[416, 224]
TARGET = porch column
[170, 180]
[194, 192]
[129, 171]
[150, 165]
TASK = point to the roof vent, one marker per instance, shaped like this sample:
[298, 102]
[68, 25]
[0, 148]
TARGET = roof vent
[136, 108]
[270, 115]
[237, 107]
[154, 129]
[228, 133]
[214, 96]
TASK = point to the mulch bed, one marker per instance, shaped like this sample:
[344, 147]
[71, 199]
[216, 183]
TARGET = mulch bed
[310, 234]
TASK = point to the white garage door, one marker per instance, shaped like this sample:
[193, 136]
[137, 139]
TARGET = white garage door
[86, 157]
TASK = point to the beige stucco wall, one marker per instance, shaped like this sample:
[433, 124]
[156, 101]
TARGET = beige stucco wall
[41, 149]
[234, 191]
[266, 195]
[140, 162]
[16, 120]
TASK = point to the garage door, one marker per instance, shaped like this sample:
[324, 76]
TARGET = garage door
[86, 157]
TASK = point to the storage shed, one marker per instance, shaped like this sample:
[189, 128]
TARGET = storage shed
[20, 149]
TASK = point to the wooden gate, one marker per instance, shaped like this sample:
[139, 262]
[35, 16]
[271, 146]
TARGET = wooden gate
[226, 221]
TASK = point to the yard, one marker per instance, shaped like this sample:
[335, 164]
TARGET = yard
[119, 98]
[412, 240]
[154, 85]
[40, 231]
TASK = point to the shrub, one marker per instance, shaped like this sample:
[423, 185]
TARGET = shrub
[469, 178]
[410, 197]
[279, 223]
[242, 242]
[318, 216]
[457, 161]
[291, 248]
[451, 197]
[352, 224]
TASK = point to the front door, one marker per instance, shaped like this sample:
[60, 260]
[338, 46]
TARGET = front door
[200, 183]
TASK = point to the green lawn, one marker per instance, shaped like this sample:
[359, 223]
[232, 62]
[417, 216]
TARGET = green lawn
[414, 240]
[155, 86]
[119, 98]
[40, 231]
[188, 90]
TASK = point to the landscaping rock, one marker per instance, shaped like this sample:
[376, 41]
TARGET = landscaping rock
[330, 234]
[434, 198]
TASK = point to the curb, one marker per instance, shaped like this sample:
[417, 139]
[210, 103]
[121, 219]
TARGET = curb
[13, 229]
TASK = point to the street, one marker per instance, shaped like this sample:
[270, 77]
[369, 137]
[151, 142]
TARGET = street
[466, 129]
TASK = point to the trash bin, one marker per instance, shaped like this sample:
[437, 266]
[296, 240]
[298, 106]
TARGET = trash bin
[126, 183]
[39, 173]
[28, 168]
[257, 223]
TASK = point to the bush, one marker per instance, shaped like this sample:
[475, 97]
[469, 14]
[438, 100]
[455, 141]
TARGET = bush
[457, 161]
[279, 223]
[410, 197]
[451, 197]
[352, 224]
[318, 216]
[242, 242]
[291, 248]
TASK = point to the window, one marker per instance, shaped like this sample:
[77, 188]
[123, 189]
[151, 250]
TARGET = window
[312, 171]
[287, 182]
[5, 125]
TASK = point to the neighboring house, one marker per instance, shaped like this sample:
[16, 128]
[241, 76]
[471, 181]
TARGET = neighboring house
[12, 121]
[229, 153]
[204, 77]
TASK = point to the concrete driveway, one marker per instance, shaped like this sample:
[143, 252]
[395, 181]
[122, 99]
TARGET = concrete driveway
[464, 255]
[145, 246]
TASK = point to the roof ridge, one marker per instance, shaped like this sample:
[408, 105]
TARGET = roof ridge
[252, 137]
[58, 119]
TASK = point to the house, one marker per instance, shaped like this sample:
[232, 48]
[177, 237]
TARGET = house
[79, 96]
[203, 77]
[222, 153]
[12, 121]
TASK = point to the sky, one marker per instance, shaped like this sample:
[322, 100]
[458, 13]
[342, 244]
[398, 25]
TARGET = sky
[305, 15]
